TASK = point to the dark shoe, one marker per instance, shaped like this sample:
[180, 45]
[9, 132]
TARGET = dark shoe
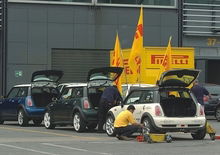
[100, 131]
[124, 138]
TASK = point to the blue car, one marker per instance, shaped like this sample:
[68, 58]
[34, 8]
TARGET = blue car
[28, 101]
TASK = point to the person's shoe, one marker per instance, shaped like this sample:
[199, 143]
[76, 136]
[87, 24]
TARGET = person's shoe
[100, 131]
[124, 138]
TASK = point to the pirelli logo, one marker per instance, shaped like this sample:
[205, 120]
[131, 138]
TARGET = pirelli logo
[176, 59]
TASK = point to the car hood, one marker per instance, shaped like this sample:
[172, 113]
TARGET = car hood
[47, 76]
[180, 77]
[104, 73]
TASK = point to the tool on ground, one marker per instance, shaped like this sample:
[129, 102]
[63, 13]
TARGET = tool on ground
[146, 136]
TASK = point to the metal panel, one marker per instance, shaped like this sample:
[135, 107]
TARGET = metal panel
[76, 63]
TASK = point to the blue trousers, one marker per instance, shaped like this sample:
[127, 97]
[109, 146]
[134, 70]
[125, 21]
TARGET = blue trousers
[127, 131]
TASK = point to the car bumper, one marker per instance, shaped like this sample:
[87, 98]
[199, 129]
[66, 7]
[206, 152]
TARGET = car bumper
[35, 112]
[90, 116]
[168, 124]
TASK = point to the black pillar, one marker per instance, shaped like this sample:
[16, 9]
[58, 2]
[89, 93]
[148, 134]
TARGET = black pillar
[3, 46]
[180, 22]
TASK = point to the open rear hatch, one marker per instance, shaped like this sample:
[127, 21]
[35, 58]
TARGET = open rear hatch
[100, 78]
[175, 98]
[178, 78]
[44, 85]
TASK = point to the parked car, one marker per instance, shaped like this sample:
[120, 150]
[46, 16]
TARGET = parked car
[78, 103]
[212, 105]
[28, 101]
[167, 107]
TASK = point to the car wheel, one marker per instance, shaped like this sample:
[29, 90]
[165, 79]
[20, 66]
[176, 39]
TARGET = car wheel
[217, 114]
[147, 123]
[78, 123]
[109, 125]
[22, 118]
[92, 126]
[37, 122]
[199, 135]
[48, 121]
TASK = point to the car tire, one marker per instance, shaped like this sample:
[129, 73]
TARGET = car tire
[199, 135]
[92, 126]
[148, 124]
[109, 126]
[78, 123]
[22, 118]
[37, 122]
[48, 121]
[217, 114]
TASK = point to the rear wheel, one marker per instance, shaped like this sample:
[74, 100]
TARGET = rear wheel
[199, 135]
[48, 121]
[217, 114]
[147, 123]
[22, 118]
[78, 123]
[37, 122]
[110, 126]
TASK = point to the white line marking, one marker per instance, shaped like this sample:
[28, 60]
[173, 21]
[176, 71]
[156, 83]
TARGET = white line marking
[26, 149]
[72, 148]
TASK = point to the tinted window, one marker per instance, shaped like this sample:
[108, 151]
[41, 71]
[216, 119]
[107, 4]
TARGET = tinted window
[23, 92]
[147, 97]
[134, 97]
[13, 92]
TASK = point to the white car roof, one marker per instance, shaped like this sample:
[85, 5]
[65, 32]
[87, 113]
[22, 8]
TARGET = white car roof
[74, 84]
[23, 85]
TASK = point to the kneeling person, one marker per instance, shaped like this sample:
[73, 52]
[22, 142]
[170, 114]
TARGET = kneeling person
[125, 124]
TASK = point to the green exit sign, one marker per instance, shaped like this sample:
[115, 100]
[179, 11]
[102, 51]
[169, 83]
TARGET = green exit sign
[18, 73]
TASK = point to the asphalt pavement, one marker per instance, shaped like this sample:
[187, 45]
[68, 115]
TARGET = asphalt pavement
[32, 140]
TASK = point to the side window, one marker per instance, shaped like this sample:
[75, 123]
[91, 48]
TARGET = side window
[77, 92]
[13, 93]
[66, 94]
[133, 98]
[147, 97]
[22, 92]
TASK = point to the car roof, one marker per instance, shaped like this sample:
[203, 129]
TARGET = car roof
[23, 85]
[139, 85]
[75, 84]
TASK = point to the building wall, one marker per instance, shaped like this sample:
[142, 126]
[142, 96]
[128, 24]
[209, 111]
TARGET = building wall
[35, 29]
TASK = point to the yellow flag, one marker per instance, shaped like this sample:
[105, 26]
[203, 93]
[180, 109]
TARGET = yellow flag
[167, 59]
[134, 61]
[117, 61]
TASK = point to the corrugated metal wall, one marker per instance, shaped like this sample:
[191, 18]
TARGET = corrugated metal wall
[76, 63]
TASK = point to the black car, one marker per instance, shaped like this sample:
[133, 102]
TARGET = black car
[212, 105]
[78, 103]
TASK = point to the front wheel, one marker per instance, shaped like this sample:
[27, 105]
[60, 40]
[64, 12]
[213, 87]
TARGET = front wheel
[217, 114]
[199, 135]
[78, 123]
[110, 126]
[48, 121]
[22, 118]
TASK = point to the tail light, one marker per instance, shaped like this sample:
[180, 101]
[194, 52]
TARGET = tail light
[201, 111]
[86, 104]
[158, 111]
[29, 102]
